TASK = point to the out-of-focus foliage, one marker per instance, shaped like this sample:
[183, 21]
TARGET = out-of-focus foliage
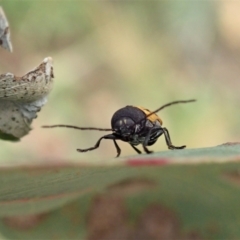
[109, 54]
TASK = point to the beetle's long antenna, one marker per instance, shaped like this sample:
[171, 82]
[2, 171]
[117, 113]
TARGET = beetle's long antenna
[169, 104]
[79, 128]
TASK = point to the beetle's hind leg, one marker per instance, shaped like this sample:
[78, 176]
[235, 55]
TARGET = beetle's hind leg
[168, 140]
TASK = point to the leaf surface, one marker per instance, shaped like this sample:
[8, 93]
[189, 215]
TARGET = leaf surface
[202, 195]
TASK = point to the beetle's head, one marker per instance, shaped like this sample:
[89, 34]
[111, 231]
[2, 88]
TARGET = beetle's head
[125, 127]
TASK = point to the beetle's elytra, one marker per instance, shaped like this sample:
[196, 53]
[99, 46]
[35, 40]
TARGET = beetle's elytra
[135, 125]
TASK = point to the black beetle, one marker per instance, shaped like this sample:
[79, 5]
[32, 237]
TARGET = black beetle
[135, 125]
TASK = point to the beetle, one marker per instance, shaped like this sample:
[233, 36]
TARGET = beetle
[135, 125]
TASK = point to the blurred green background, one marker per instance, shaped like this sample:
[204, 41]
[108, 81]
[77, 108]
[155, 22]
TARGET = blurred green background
[109, 54]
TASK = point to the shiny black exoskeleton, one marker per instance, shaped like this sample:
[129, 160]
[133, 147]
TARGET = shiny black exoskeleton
[135, 125]
[131, 125]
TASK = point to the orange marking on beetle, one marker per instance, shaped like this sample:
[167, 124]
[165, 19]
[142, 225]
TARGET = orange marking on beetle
[153, 118]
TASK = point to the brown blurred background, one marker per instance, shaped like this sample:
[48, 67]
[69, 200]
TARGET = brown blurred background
[109, 54]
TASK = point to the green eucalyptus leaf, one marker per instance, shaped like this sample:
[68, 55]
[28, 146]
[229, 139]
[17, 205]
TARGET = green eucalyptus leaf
[196, 189]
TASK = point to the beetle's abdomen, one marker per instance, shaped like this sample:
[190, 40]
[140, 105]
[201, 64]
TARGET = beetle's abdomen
[128, 112]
